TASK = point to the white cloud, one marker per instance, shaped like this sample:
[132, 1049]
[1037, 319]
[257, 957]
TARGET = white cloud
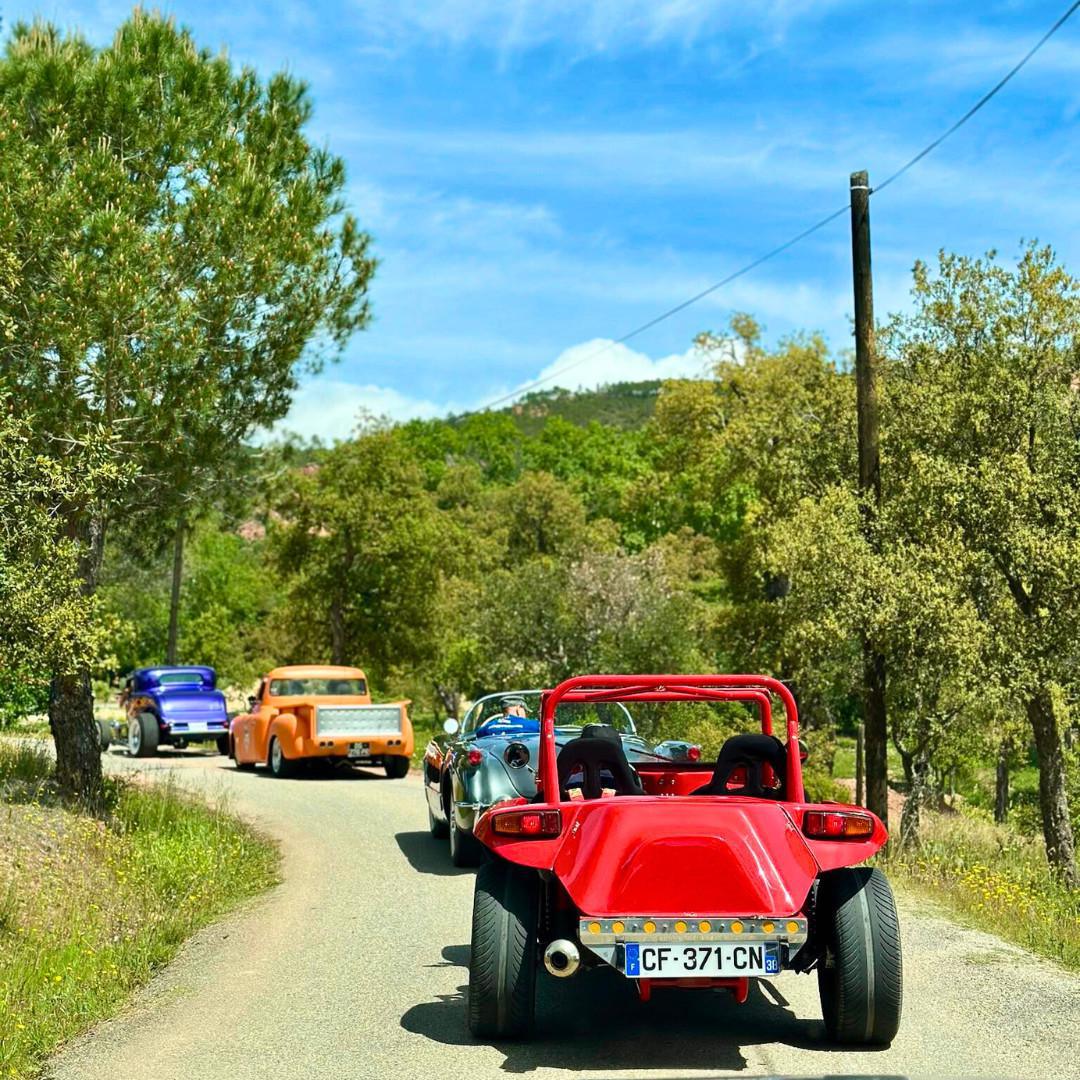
[331, 409]
[600, 361]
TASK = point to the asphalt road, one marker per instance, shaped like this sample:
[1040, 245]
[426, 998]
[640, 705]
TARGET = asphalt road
[356, 967]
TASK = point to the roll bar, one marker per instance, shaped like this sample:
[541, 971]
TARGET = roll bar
[753, 689]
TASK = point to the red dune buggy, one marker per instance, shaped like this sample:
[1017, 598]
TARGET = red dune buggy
[682, 874]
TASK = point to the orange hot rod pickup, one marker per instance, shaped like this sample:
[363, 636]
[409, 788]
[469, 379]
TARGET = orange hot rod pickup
[320, 713]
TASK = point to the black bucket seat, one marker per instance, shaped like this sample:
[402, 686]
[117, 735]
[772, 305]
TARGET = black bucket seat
[752, 753]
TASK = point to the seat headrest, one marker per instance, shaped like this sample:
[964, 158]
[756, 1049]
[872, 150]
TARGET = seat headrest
[595, 754]
[752, 752]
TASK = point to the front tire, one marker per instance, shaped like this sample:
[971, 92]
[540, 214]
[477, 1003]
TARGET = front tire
[104, 735]
[396, 767]
[281, 766]
[436, 827]
[243, 766]
[502, 965]
[143, 735]
[860, 973]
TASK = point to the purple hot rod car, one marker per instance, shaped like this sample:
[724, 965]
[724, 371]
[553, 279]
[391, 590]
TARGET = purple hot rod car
[172, 706]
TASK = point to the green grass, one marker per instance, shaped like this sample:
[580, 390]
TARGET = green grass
[425, 728]
[89, 909]
[996, 879]
[844, 761]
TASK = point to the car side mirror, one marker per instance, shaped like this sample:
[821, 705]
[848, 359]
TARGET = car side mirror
[252, 701]
[450, 725]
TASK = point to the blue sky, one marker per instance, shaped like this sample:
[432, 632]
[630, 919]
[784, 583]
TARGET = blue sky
[542, 175]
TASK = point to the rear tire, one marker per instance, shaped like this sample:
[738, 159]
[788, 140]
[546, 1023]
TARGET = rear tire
[104, 735]
[281, 766]
[860, 974]
[143, 735]
[223, 745]
[465, 849]
[396, 767]
[502, 965]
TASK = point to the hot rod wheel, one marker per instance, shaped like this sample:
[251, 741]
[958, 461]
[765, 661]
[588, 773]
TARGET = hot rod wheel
[396, 766]
[280, 765]
[143, 735]
[860, 974]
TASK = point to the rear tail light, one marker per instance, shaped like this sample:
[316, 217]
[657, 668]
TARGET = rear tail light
[527, 823]
[694, 753]
[474, 757]
[837, 825]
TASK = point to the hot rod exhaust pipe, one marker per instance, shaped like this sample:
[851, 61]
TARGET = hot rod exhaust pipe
[562, 958]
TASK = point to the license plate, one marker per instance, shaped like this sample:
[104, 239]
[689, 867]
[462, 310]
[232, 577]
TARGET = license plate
[359, 749]
[723, 959]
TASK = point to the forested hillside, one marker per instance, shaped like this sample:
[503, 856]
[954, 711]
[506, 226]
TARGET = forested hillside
[625, 405]
[454, 557]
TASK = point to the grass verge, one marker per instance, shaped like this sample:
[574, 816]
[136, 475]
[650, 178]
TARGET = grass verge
[994, 879]
[89, 909]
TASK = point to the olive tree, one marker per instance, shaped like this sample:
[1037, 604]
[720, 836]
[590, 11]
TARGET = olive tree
[183, 252]
[983, 434]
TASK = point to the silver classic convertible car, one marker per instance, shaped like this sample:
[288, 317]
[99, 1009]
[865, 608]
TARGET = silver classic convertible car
[492, 754]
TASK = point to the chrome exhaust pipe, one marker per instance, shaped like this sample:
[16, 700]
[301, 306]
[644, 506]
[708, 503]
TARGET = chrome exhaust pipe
[562, 958]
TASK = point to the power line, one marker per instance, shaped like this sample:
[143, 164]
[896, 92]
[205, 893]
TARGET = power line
[981, 102]
[671, 311]
[929, 148]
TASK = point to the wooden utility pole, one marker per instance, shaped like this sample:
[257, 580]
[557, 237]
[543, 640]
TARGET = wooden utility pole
[877, 735]
[860, 782]
[172, 646]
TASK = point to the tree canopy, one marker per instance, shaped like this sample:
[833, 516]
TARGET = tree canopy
[178, 251]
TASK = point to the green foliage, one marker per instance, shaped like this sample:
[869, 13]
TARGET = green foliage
[623, 406]
[24, 691]
[173, 253]
[362, 543]
[46, 619]
[227, 605]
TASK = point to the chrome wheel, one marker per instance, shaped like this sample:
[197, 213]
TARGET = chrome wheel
[134, 736]
[276, 756]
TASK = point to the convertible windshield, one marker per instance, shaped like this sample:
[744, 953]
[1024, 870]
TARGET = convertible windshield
[570, 716]
[318, 687]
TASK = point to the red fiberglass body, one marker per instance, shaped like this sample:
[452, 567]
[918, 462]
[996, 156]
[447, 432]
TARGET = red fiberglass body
[669, 853]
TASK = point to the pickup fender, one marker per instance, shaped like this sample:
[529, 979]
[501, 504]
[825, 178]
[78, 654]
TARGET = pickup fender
[283, 728]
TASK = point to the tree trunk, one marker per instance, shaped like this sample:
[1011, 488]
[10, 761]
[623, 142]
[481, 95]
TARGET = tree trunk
[1001, 785]
[1053, 793]
[78, 742]
[451, 700]
[71, 701]
[907, 759]
[877, 734]
[917, 798]
[174, 599]
[337, 632]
